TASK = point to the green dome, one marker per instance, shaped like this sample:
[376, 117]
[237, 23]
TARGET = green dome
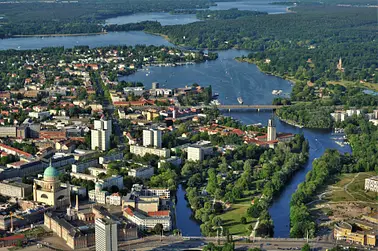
[50, 172]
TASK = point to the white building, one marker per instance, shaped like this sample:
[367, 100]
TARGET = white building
[106, 235]
[114, 199]
[176, 161]
[144, 172]
[152, 138]
[97, 195]
[100, 135]
[195, 153]
[146, 221]
[371, 184]
[272, 133]
[339, 116]
[141, 151]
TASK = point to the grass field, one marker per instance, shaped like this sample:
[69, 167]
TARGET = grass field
[370, 86]
[350, 187]
[231, 218]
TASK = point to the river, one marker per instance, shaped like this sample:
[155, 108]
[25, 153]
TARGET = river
[230, 79]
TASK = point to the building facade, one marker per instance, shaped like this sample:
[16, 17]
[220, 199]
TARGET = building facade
[15, 189]
[49, 191]
[100, 135]
[141, 151]
[371, 184]
[195, 153]
[152, 137]
[272, 132]
[106, 235]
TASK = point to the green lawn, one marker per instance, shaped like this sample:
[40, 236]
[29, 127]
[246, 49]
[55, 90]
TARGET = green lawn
[231, 218]
[356, 188]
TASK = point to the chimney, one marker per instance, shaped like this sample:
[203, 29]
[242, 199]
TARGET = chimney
[77, 203]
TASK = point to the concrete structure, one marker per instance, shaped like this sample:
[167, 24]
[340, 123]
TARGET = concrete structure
[81, 167]
[339, 116]
[148, 221]
[49, 191]
[195, 153]
[18, 190]
[142, 203]
[141, 151]
[97, 195]
[143, 172]
[114, 199]
[152, 137]
[160, 192]
[176, 161]
[100, 135]
[371, 184]
[345, 232]
[108, 158]
[8, 131]
[76, 227]
[106, 235]
[272, 132]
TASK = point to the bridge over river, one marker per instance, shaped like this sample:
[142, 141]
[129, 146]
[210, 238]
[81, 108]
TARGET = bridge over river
[241, 243]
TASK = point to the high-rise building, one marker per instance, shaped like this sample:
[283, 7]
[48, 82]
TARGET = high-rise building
[106, 234]
[100, 135]
[195, 153]
[152, 137]
[148, 137]
[272, 133]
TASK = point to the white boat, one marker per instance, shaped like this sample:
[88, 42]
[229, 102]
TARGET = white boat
[240, 100]
[277, 92]
[215, 102]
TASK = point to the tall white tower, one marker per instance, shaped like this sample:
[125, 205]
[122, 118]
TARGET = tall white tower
[152, 137]
[272, 133]
[106, 235]
[100, 135]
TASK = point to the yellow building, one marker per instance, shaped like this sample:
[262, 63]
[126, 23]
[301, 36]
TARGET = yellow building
[49, 191]
[344, 231]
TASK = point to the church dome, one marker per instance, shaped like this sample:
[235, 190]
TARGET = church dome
[50, 173]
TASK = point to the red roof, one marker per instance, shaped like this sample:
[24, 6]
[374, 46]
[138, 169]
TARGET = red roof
[129, 211]
[158, 213]
[15, 150]
[13, 237]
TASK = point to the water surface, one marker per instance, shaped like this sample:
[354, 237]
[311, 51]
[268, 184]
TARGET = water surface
[111, 38]
[162, 17]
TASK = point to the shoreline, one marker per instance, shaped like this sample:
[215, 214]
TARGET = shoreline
[246, 60]
[60, 35]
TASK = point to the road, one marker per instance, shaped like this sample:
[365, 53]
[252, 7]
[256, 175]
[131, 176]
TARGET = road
[178, 243]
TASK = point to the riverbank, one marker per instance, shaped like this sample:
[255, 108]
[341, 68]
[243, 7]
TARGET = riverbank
[60, 35]
[250, 61]
[289, 122]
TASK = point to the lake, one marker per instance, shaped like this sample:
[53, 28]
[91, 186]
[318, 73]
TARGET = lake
[162, 17]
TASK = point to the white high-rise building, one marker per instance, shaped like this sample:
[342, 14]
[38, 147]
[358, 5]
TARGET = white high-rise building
[100, 135]
[152, 137]
[272, 133]
[195, 153]
[148, 137]
[106, 235]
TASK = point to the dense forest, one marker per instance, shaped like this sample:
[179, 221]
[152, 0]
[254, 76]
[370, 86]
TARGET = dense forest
[306, 44]
[79, 17]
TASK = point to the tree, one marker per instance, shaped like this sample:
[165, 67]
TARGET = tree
[158, 229]
[243, 220]
[306, 247]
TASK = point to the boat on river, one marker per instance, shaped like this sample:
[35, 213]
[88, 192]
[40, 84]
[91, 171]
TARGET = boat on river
[277, 92]
[240, 100]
